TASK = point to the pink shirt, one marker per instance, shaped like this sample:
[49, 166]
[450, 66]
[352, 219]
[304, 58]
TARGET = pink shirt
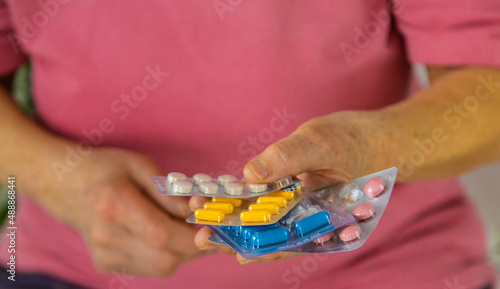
[202, 86]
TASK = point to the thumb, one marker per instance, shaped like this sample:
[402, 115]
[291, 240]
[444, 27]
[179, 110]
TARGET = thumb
[290, 156]
[142, 169]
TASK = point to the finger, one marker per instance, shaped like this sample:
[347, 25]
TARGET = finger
[109, 259]
[197, 203]
[314, 181]
[151, 262]
[109, 234]
[202, 242]
[141, 171]
[288, 157]
[274, 257]
[148, 222]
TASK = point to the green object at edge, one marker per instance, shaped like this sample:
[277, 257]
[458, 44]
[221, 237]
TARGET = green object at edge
[24, 99]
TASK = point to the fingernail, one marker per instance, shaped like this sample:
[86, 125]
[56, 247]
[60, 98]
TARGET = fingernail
[208, 248]
[247, 261]
[259, 169]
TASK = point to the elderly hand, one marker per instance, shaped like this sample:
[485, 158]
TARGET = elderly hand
[321, 152]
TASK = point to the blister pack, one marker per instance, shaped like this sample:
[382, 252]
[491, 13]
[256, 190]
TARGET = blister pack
[362, 201]
[374, 192]
[225, 186]
[306, 222]
[263, 210]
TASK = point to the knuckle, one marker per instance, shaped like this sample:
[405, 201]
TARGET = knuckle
[157, 237]
[282, 150]
[103, 202]
[314, 132]
[144, 162]
[100, 237]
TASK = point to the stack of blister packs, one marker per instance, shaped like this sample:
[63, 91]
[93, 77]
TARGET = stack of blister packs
[260, 219]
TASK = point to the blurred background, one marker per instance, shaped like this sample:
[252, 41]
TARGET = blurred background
[483, 187]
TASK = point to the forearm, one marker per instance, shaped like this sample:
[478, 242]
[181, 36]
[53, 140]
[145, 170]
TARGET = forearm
[443, 130]
[27, 150]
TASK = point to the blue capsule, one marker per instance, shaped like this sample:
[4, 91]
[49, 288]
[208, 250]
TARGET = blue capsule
[248, 231]
[227, 229]
[270, 237]
[238, 230]
[312, 223]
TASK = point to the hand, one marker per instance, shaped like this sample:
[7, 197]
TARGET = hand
[110, 199]
[321, 152]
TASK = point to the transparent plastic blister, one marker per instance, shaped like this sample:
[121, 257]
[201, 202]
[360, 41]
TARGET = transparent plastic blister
[309, 220]
[226, 186]
[228, 212]
[364, 211]
[366, 223]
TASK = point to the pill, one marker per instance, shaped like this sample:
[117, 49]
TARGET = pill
[374, 187]
[269, 237]
[363, 211]
[172, 177]
[248, 231]
[312, 223]
[271, 207]
[331, 199]
[342, 208]
[350, 233]
[182, 187]
[287, 195]
[238, 230]
[233, 189]
[257, 188]
[236, 202]
[227, 229]
[324, 238]
[200, 178]
[227, 208]
[209, 188]
[209, 215]
[255, 216]
[222, 180]
[280, 201]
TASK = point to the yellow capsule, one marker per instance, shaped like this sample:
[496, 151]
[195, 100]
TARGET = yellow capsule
[288, 195]
[255, 216]
[210, 215]
[227, 208]
[271, 207]
[236, 202]
[280, 201]
[245, 184]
